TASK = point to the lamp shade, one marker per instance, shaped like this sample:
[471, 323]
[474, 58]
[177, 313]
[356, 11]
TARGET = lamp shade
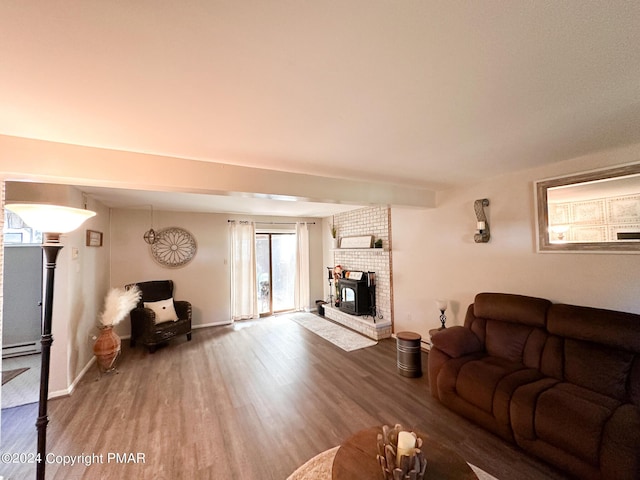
[441, 304]
[50, 218]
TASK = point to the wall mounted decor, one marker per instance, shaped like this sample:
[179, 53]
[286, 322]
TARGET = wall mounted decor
[360, 241]
[483, 234]
[94, 238]
[174, 247]
[596, 211]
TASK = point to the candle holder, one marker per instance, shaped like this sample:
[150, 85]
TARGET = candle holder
[407, 467]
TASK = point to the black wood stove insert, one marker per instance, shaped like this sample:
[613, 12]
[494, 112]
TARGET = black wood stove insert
[357, 293]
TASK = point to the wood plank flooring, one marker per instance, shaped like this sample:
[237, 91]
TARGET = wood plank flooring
[250, 401]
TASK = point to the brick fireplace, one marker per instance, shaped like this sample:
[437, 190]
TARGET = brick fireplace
[367, 221]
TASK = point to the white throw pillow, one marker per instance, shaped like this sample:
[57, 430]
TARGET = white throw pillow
[164, 310]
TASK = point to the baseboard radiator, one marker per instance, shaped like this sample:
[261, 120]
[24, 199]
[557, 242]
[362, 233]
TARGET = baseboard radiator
[19, 349]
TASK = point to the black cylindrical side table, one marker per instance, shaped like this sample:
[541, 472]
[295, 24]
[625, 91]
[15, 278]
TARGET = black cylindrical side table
[409, 354]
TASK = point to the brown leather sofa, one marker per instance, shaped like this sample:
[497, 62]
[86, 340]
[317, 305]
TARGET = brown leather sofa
[560, 381]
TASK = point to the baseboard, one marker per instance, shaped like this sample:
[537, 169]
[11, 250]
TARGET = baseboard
[214, 324]
[68, 391]
[19, 349]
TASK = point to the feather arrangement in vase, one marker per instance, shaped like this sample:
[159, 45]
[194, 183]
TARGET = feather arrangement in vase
[117, 305]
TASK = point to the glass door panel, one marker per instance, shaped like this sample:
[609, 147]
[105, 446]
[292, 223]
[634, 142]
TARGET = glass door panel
[263, 273]
[283, 261]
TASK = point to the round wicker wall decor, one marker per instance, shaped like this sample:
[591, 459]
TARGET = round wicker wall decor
[174, 247]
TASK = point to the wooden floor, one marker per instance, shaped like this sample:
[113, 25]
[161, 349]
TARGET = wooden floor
[250, 401]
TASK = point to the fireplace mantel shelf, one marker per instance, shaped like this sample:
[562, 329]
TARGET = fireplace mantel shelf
[373, 250]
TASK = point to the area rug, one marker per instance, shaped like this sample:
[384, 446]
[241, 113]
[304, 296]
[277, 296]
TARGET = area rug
[11, 374]
[319, 468]
[340, 336]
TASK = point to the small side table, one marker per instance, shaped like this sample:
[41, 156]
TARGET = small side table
[409, 354]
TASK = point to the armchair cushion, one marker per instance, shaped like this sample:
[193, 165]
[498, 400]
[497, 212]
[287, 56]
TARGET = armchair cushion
[164, 310]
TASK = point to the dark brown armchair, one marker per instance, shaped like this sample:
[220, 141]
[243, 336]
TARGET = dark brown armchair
[162, 319]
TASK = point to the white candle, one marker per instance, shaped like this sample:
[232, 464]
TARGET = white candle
[406, 445]
[481, 225]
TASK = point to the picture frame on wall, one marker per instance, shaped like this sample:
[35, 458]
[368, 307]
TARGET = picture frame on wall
[94, 238]
[360, 241]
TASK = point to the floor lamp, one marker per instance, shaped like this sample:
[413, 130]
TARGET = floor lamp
[52, 221]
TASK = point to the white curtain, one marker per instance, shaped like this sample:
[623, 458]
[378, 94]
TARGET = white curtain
[244, 298]
[302, 266]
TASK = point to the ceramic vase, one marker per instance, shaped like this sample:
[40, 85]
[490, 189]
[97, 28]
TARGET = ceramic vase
[107, 349]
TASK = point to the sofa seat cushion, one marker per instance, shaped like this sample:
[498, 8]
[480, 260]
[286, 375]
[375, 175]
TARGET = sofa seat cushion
[480, 388]
[167, 330]
[567, 416]
[478, 380]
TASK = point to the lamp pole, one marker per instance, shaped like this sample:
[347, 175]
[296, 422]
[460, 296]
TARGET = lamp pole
[51, 247]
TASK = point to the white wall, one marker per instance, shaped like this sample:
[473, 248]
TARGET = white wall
[434, 255]
[205, 280]
[80, 288]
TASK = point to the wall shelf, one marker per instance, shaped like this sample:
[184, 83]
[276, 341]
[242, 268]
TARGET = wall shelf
[359, 250]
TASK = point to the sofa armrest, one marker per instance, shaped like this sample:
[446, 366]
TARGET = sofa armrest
[456, 341]
[183, 309]
[143, 316]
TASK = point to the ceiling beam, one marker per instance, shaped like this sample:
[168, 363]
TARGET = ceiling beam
[23, 159]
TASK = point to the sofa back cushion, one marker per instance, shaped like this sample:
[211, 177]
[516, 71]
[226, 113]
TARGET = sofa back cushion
[506, 340]
[511, 308]
[154, 290]
[600, 349]
[607, 327]
[510, 326]
[596, 367]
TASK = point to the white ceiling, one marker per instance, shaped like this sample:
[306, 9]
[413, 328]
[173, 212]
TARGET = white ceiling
[416, 92]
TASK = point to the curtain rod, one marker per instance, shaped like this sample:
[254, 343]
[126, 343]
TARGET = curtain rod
[271, 223]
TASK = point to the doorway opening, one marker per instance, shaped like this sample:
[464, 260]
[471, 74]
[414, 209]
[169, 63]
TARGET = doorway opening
[275, 272]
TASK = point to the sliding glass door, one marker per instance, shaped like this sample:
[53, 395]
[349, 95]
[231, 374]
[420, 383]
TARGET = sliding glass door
[275, 272]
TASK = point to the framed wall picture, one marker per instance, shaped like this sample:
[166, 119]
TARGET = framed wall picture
[94, 238]
[361, 241]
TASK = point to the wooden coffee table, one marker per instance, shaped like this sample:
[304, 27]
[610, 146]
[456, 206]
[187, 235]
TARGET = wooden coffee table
[356, 459]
